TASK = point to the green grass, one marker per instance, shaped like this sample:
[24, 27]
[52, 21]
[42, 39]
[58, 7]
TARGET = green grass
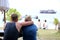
[48, 34]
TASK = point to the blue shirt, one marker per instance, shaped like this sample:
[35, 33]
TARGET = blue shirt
[29, 32]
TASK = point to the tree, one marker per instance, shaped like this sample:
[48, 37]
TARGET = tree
[56, 21]
[10, 11]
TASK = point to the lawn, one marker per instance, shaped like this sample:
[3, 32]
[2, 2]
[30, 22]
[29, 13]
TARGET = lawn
[48, 34]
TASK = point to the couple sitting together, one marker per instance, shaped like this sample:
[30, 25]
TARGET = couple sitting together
[13, 29]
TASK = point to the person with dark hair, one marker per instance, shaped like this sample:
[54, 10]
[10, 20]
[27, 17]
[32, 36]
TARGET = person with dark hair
[29, 32]
[39, 24]
[12, 29]
[45, 24]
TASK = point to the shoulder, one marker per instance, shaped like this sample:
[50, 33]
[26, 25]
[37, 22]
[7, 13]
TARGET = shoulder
[18, 23]
[32, 25]
[6, 23]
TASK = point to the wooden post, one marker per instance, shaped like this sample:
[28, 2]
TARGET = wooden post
[4, 17]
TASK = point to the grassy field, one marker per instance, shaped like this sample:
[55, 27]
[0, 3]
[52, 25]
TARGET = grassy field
[48, 34]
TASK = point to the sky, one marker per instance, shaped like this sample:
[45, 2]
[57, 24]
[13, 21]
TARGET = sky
[34, 6]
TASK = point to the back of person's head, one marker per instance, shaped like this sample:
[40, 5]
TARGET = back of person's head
[45, 20]
[14, 17]
[28, 18]
[39, 20]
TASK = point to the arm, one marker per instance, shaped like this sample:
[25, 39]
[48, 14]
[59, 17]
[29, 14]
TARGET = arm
[27, 23]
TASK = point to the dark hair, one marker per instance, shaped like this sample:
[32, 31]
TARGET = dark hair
[45, 20]
[38, 19]
[14, 17]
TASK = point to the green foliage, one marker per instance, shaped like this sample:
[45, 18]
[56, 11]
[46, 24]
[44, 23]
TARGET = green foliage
[56, 21]
[10, 11]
